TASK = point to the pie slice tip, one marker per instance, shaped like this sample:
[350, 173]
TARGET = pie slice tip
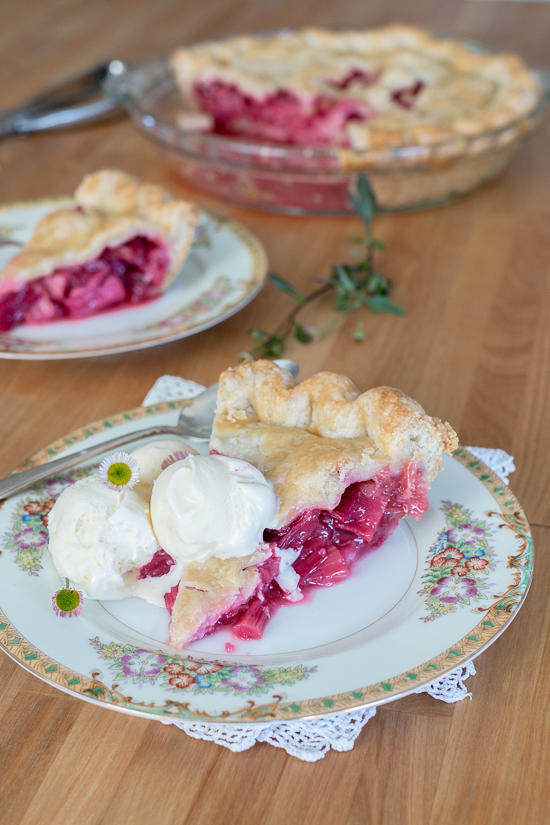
[211, 590]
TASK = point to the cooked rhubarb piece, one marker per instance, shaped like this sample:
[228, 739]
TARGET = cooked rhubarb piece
[120, 245]
[407, 97]
[160, 565]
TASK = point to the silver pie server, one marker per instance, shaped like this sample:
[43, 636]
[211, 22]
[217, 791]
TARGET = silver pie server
[195, 422]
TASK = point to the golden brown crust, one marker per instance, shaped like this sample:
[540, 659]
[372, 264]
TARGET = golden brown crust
[465, 92]
[208, 590]
[114, 207]
[314, 439]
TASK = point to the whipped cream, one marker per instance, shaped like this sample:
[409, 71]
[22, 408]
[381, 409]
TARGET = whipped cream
[97, 535]
[287, 578]
[150, 457]
[208, 506]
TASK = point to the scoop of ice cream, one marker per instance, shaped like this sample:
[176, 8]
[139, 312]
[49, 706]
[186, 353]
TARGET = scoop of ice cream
[150, 457]
[98, 534]
[208, 506]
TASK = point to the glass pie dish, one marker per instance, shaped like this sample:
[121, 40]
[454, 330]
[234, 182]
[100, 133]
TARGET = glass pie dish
[302, 180]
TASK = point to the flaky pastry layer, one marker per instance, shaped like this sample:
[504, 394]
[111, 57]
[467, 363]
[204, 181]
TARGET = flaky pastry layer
[111, 208]
[314, 439]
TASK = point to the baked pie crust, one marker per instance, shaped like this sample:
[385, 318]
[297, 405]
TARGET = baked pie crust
[111, 210]
[366, 90]
[314, 439]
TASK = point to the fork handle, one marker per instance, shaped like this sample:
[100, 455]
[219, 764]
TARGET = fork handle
[20, 481]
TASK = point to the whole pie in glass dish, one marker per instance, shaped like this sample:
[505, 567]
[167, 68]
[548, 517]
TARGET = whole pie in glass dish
[344, 467]
[121, 244]
[286, 122]
[366, 90]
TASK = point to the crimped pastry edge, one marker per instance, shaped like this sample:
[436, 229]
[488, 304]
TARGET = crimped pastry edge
[313, 439]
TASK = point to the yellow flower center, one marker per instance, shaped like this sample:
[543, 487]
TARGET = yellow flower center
[67, 600]
[119, 474]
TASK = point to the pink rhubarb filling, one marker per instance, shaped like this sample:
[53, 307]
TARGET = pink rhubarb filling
[124, 275]
[284, 117]
[328, 542]
[160, 565]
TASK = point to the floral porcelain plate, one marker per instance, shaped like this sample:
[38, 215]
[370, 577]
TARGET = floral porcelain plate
[433, 596]
[224, 271]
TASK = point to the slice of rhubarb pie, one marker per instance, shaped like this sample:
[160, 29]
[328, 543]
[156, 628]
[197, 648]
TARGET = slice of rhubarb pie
[345, 467]
[122, 243]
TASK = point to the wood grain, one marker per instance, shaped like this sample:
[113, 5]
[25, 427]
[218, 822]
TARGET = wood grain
[474, 348]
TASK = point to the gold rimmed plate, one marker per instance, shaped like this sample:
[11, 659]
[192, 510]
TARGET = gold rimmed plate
[435, 595]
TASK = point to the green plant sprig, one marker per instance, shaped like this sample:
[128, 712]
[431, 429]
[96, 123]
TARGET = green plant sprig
[356, 286]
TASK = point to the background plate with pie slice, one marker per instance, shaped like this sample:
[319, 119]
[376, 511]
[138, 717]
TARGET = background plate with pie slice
[225, 270]
[408, 615]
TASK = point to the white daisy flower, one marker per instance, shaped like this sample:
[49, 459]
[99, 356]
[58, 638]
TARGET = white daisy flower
[119, 471]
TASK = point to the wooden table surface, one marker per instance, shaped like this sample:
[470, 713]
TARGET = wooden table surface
[473, 348]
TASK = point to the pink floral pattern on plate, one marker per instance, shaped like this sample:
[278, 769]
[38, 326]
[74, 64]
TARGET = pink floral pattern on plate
[140, 666]
[460, 562]
[28, 533]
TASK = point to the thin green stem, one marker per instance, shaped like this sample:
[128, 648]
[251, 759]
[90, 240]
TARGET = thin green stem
[287, 324]
[359, 334]
[354, 286]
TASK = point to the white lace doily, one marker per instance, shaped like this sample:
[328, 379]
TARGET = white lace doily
[451, 688]
[311, 739]
[172, 388]
[497, 460]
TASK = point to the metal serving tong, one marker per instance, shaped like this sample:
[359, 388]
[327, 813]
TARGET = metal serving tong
[55, 108]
